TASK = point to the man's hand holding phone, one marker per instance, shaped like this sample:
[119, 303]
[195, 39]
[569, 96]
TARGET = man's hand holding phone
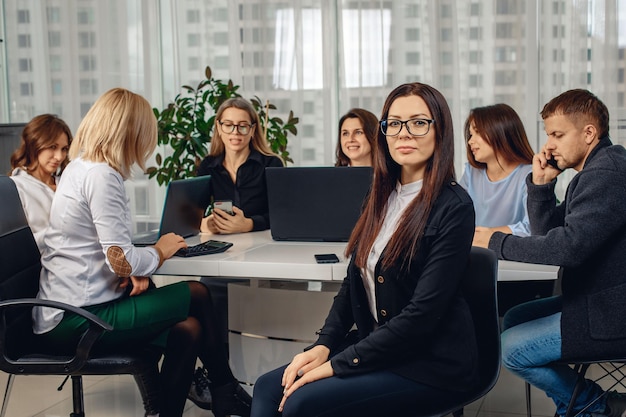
[545, 167]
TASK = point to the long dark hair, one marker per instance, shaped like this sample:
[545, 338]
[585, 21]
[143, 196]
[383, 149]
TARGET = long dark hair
[370, 128]
[500, 126]
[38, 134]
[439, 170]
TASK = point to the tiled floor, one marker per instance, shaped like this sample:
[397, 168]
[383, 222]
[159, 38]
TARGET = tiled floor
[35, 396]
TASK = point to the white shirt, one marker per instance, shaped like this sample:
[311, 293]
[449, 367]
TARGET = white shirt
[398, 201]
[499, 203]
[36, 199]
[89, 214]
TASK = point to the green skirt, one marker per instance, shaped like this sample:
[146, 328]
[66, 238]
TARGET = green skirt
[140, 320]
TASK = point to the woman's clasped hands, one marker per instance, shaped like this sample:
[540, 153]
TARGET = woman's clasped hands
[305, 367]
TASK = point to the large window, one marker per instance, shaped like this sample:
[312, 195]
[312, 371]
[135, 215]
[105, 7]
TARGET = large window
[316, 57]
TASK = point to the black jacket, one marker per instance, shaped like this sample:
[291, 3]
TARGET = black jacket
[249, 192]
[586, 236]
[425, 330]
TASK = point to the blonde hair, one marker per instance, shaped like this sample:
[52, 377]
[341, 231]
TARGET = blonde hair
[258, 140]
[119, 129]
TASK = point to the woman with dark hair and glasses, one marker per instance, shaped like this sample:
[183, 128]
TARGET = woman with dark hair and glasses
[237, 160]
[357, 133]
[413, 344]
[499, 160]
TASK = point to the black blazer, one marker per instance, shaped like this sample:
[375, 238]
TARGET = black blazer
[425, 330]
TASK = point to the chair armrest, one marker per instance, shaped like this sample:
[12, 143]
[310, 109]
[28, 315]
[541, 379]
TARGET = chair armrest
[34, 302]
[43, 362]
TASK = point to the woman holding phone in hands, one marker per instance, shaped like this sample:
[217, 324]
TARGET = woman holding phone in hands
[413, 345]
[237, 160]
[236, 163]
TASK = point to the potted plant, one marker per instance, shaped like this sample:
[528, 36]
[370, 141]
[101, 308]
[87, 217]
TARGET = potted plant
[185, 127]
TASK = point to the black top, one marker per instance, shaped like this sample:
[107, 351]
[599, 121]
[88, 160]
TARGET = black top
[424, 330]
[249, 192]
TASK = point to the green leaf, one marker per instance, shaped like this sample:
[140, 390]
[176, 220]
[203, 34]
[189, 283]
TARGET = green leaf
[185, 127]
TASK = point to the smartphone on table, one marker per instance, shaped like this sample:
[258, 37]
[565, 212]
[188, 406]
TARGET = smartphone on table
[226, 205]
[326, 258]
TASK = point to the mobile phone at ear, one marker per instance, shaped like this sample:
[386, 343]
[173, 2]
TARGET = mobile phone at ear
[326, 258]
[225, 205]
[553, 164]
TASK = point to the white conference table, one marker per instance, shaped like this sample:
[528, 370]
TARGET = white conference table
[257, 255]
[286, 295]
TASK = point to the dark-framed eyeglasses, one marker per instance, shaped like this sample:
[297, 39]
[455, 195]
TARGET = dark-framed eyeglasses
[229, 127]
[416, 127]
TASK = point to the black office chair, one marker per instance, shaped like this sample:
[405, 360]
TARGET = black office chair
[20, 354]
[612, 369]
[479, 287]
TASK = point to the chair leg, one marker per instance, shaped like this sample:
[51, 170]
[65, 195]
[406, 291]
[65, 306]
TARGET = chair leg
[77, 396]
[529, 411]
[581, 369]
[7, 394]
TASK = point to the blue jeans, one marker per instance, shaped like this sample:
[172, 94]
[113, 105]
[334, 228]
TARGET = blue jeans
[531, 343]
[373, 394]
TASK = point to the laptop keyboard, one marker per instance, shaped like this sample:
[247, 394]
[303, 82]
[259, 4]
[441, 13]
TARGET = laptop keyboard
[204, 248]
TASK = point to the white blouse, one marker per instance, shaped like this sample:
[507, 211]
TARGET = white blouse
[36, 199]
[89, 214]
[398, 201]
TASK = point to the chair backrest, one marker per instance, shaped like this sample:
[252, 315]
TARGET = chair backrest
[20, 260]
[480, 290]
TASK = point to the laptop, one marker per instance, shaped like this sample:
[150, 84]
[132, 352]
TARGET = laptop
[185, 203]
[318, 204]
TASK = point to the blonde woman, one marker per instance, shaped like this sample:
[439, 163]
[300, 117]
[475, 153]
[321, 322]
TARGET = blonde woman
[89, 261]
[237, 160]
[236, 163]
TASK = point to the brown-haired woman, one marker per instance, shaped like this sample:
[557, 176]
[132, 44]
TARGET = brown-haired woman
[499, 160]
[413, 344]
[36, 167]
[357, 134]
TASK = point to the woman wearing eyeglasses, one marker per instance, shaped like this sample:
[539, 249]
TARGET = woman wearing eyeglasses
[236, 163]
[237, 160]
[413, 345]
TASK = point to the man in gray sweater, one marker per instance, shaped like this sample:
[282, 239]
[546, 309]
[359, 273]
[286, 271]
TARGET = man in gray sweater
[586, 236]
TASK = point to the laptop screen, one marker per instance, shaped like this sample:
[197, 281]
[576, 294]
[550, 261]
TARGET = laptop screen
[185, 203]
[315, 203]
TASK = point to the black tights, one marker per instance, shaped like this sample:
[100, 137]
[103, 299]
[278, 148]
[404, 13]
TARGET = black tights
[195, 337]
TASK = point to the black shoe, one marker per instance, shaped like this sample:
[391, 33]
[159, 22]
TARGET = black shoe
[616, 404]
[230, 399]
[199, 391]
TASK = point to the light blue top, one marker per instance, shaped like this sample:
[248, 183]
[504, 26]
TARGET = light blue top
[499, 203]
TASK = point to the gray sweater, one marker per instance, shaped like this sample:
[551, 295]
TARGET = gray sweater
[586, 236]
